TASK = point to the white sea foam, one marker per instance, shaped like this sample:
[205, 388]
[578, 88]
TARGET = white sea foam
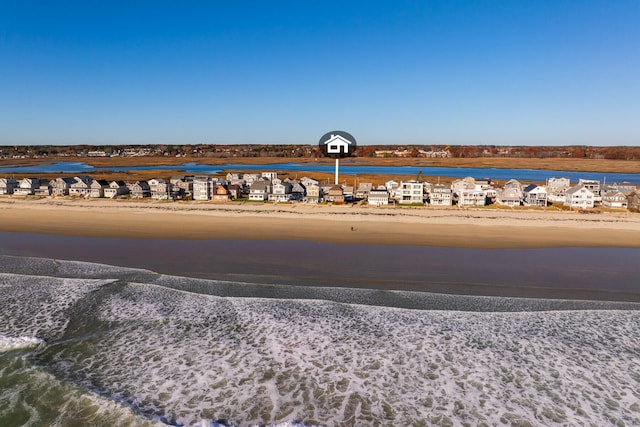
[192, 357]
[189, 359]
[14, 343]
[35, 305]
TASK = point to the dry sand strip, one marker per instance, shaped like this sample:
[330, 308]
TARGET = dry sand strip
[477, 228]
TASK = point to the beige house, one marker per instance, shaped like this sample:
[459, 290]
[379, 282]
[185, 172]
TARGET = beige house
[334, 194]
[440, 195]
[60, 186]
[139, 190]
[557, 189]
[314, 193]
[510, 196]
[614, 199]
[97, 188]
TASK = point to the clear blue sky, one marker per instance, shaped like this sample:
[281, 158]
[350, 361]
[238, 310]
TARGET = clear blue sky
[510, 72]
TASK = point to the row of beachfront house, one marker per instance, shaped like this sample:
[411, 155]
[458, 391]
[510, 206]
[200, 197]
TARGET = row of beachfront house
[267, 186]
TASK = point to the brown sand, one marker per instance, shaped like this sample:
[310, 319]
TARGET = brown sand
[479, 228]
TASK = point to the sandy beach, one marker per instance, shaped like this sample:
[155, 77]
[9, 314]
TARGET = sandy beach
[469, 228]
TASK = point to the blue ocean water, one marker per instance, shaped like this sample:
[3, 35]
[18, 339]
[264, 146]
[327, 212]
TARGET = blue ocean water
[524, 175]
[104, 345]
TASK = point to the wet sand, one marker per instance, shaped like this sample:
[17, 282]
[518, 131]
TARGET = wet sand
[473, 252]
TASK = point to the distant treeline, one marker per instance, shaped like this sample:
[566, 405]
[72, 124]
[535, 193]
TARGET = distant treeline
[312, 151]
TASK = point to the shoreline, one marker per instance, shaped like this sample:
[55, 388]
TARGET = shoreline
[439, 227]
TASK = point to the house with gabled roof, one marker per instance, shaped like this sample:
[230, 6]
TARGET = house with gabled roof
[614, 199]
[313, 193]
[280, 191]
[535, 195]
[235, 191]
[363, 190]
[116, 188]
[60, 186]
[579, 197]
[633, 201]
[509, 196]
[8, 185]
[557, 189]
[298, 191]
[260, 190]
[81, 186]
[334, 194]
[221, 194]
[139, 190]
[27, 187]
[97, 187]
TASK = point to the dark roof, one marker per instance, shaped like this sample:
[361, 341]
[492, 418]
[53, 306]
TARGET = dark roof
[529, 187]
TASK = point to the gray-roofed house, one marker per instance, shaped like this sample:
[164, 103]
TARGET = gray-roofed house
[614, 199]
[440, 195]
[61, 186]
[260, 190]
[27, 186]
[579, 197]
[81, 186]
[139, 190]
[97, 188]
[116, 188]
[8, 185]
[535, 195]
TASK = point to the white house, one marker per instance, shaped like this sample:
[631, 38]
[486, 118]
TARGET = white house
[471, 197]
[579, 197]
[81, 186]
[392, 187]
[280, 192]
[27, 186]
[8, 185]
[116, 188]
[411, 192]
[202, 188]
[61, 186]
[378, 197]
[535, 195]
[260, 190]
[337, 144]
